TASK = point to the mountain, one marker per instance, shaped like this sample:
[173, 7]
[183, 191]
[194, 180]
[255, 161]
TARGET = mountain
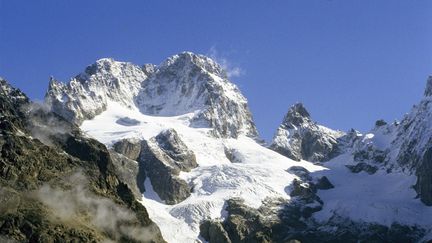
[299, 137]
[390, 163]
[88, 94]
[180, 140]
[404, 145]
[59, 185]
[184, 84]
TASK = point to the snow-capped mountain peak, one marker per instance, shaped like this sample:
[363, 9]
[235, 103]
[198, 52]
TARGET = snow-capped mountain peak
[88, 94]
[186, 60]
[297, 116]
[185, 83]
[190, 83]
[299, 137]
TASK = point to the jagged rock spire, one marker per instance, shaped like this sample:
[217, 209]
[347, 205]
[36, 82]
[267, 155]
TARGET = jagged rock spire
[296, 116]
[299, 137]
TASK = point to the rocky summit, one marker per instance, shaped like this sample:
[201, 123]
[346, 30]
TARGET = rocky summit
[184, 83]
[299, 137]
[170, 153]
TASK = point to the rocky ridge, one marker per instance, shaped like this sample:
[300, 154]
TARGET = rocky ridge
[184, 83]
[299, 137]
[397, 146]
[87, 94]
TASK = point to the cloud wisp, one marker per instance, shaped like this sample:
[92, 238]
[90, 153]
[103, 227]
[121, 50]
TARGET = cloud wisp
[231, 69]
[103, 213]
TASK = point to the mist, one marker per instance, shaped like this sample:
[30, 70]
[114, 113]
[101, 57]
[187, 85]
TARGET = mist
[44, 125]
[79, 203]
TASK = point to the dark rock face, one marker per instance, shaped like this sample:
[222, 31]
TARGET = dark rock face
[38, 180]
[129, 148]
[244, 224]
[280, 221]
[305, 198]
[380, 123]
[214, 232]
[164, 156]
[161, 158]
[298, 137]
[171, 144]
[323, 183]
[370, 155]
[126, 154]
[297, 115]
[304, 190]
[301, 172]
[129, 172]
[424, 178]
[370, 169]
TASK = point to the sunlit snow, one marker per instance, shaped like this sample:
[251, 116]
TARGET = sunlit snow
[257, 173]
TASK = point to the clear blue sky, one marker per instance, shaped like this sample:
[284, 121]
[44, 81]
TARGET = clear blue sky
[349, 62]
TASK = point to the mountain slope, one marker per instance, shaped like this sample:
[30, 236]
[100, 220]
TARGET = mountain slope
[226, 168]
[382, 176]
[56, 183]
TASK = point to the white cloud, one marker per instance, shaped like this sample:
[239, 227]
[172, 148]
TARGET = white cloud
[79, 203]
[230, 69]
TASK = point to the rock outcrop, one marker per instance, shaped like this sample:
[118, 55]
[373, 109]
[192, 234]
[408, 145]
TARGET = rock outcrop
[298, 137]
[163, 157]
[214, 232]
[131, 148]
[129, 172]
[279, 221]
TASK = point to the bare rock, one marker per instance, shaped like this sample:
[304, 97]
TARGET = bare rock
[128, 147]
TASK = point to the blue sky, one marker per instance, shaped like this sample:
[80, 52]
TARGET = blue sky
[349, 62]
